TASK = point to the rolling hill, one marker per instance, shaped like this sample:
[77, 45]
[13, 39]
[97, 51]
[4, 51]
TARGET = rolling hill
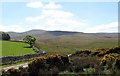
[31, 32]
[43, 33]
[68, 41]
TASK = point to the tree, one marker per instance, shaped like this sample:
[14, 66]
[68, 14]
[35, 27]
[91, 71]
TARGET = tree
[4, 36]
[30, 40]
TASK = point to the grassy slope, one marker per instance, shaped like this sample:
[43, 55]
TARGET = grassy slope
[15, 48]
[72, 44]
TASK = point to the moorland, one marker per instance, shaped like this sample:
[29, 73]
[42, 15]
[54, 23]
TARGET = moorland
[66, 53]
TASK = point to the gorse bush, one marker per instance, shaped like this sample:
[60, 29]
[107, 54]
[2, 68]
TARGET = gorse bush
[98, 52]
[114, 50]
[16, 72]
[50, 64]
[101, 52]
[103, 61]
[109, 59]
[45, 64]
[81, 52]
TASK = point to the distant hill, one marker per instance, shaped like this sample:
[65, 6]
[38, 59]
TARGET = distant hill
[58, 33]
[42, 34]
[31, 32]
[68, 41]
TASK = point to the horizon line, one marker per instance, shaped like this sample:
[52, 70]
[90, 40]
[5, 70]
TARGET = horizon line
[58, 30]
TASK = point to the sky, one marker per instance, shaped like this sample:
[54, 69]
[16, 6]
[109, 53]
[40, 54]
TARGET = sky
[88, 17]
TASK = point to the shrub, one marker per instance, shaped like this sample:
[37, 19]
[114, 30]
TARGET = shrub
[11, 72]
[111, 60]
[102, 52]
[16, 72]
[78, 63]
[99, 52]
[47, 64]
[114, 50]
[82, 52]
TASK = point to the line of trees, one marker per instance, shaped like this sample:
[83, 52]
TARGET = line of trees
[27, 39]
[4, 36]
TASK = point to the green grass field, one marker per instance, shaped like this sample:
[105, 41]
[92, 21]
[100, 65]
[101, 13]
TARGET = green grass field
[14, 48]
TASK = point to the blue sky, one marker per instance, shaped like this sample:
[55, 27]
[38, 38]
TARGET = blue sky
[66, 16]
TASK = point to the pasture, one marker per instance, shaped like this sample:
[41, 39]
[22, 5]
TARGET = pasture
[15, 48]
[71, 44]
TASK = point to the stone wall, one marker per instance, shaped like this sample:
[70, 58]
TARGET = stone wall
[10, 59]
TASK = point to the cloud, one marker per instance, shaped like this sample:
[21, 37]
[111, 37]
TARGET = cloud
[35, 4]
[50, 13]
[52, 5]
[57, 13]
[111, 27]
[34, 19]
[53, 18]
[15, 28]
[57, 20]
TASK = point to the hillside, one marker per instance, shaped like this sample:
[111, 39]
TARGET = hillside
[43, 34]
[67, 41]
[30, 32]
